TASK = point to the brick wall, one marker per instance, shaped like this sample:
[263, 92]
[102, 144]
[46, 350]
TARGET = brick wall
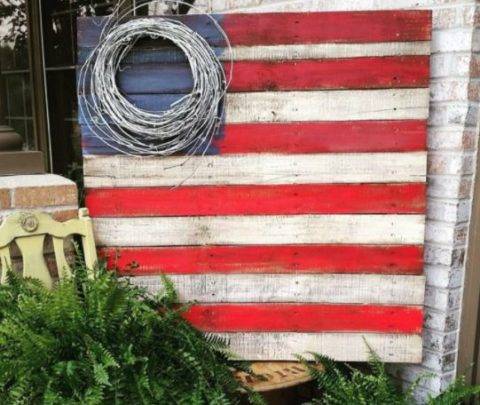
[452, 143]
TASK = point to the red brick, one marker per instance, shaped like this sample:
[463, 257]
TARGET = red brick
[36, 197]
[4, 199]
[64, 215]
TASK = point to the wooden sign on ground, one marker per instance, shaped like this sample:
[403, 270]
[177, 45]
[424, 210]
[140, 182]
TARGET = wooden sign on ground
[302, 228]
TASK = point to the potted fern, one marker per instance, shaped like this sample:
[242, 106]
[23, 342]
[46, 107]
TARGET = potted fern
[101, 340]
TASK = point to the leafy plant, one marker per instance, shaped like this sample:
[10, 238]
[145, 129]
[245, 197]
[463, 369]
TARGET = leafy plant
[457, 392]
[101, 340]
[340, 384]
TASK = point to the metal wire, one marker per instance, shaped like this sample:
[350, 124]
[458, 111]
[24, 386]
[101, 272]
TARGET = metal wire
[187, 126]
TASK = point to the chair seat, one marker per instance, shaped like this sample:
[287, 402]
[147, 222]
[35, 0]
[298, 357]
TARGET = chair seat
[274, 375]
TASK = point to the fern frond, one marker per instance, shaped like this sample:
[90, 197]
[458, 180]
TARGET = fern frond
[98, 340]
[456, 393]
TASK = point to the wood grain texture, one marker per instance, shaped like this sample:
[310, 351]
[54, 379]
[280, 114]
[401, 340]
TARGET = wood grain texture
[305, 318]
[165, 54]
[301, 28]
[291, 106]
[354, 73]
[292, 28]
[391, 348]
[248, 230]
[263, 6]
[274, 375]
[127, 171]
[318, 51]
[302, 137]
[327, 105]
[308, 288]
[298, 259]
[406, 198]
[248, 76]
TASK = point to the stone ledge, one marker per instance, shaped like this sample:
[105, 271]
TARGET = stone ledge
[34, 180]
[36, 191]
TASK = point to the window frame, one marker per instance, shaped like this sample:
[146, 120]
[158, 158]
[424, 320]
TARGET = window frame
[37, 161]
[39, 96]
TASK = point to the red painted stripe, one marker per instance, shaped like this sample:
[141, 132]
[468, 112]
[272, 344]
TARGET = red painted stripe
[351, 73]
[305, 318]
[323, 137]
[315, 259]
[311, 137]
[321, 27]
[307, 137]
[398, 198]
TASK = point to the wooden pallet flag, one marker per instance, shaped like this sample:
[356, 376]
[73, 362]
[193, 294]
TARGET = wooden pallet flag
[302, 228]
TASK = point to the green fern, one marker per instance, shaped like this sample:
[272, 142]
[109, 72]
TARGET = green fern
[340, 383]
[456, 393]
[101, 340]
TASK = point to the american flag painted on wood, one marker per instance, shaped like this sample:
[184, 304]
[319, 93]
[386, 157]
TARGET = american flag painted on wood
[302, 228]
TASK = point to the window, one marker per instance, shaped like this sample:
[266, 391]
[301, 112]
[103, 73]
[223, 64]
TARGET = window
[16, 89]
[15, 71]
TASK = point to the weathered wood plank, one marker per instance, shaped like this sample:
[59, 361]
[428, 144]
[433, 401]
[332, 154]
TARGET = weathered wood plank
[268, 6]
[255, 229]
[401, 198]
[328, 105]
[304, 137]
[127, 171]
[300, 259]
[305, 318]
[312, 51]
[394, 348]
[352, 73]
[154, 53]
[292, 28]
[326, 288]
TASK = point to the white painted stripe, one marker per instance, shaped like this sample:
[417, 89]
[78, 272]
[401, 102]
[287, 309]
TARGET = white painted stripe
[392, 348]
[302, 51]
[318, 288]
[133, 171]
[325, 51]
[270, 6]
[265, 230]
[328, 105]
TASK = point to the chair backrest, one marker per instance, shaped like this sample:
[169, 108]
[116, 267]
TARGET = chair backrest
[29, 229]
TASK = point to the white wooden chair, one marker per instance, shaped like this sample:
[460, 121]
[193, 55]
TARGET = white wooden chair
[29, 229]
